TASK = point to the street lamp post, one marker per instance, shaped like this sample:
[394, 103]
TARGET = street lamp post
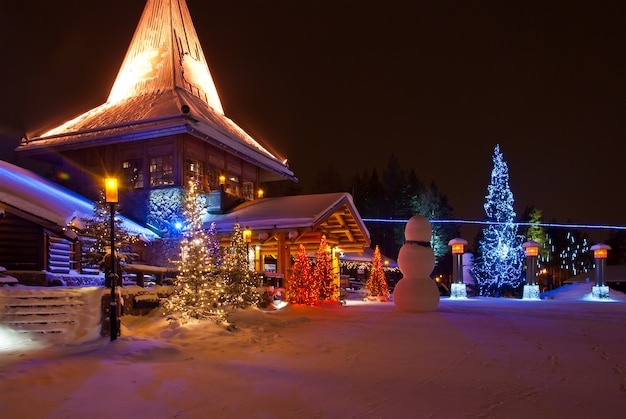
[600, 252]
[531, 288]
[247, 237]
[111, 197]
[457, 288]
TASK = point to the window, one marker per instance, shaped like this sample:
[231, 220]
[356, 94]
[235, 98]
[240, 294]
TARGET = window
[161, 171]
[232, 184]
[133, 173]
[248, 190]
[195, 171]
[213, 179]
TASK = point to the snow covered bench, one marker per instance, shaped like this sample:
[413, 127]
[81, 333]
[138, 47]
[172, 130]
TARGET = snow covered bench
[140, 270]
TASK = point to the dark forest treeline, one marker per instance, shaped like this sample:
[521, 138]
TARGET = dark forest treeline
[398, 194]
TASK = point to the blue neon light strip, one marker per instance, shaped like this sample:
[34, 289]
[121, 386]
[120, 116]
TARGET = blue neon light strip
[558, 225]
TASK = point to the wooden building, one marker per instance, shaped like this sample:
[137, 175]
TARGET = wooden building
[162, 125]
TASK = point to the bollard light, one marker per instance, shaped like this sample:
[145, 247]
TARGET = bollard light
[457, 288]
[531, 289]
[531, 248]
[600, 252]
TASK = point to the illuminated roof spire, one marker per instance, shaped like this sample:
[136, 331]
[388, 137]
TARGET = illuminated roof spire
[164, 54]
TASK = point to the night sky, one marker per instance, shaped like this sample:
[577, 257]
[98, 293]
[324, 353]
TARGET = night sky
[348, 83]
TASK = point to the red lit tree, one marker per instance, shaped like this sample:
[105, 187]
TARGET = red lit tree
[323, 272]
[303, 287]
[376, 283]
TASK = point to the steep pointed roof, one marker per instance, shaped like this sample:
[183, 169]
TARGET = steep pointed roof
[164, 87]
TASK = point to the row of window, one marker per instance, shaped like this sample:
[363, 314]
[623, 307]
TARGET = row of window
[162, 174]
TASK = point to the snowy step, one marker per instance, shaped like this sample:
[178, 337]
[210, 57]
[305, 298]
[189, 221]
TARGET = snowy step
[38, 319]
[40, 328]
[32, 303]
[38, 310]
[63, 311]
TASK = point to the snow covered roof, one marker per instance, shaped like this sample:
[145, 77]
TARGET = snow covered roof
[48, 203]
[331, 213]
[164, 87]
[367, 256]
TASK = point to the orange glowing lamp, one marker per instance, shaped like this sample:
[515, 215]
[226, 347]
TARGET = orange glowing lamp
[259, 193]
[222, 179]
[110, 190]
[247, 235]
[458, 246]
[600, 250]
[531, 248]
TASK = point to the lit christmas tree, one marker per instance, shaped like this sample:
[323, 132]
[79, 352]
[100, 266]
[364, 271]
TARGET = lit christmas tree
[241, 287]
[303, 288]
[96, 237]
[323, 272]
[199, 288]
[376, 283]
[214, 248]
[498, 270]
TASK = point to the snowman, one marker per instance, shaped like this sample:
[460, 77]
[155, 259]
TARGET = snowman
[416, 291]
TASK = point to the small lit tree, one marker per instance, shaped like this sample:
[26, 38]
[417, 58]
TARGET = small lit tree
[303, 288]
[240, 284]
[199, 291]
[214, 248]
[376, 283]
[96, 236]
[323, 272]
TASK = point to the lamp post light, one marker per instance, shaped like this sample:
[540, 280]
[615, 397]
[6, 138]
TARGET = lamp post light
[600, 252]
[531, 288]
[457, 288]
[247, 237]
[111, 197]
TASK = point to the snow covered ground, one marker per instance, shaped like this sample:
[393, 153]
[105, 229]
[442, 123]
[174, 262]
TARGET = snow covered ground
[476, 358]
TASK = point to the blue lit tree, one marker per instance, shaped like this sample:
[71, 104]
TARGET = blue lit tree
[498, 269]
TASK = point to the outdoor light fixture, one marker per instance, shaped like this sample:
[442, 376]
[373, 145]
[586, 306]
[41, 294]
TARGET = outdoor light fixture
[531, 289]
[457, 288]
[111, 197]
[247, 235]
[110, 190]
[600, 252]
[531, 248]
[247, 238]
[222, 180]
[259, 193]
